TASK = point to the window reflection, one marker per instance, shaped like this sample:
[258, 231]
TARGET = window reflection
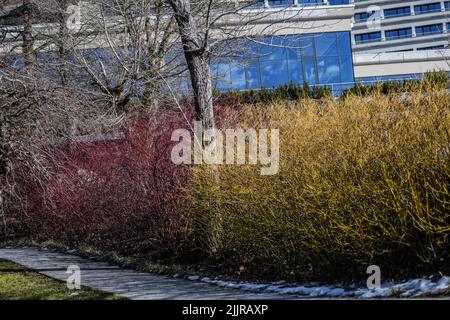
[295, 71]
[268, 62]
[346, 69]
[307, 46]
[274, 73]
[253, 79]
[326, 45]
[238, 77]
[310, 70]
[328, 70]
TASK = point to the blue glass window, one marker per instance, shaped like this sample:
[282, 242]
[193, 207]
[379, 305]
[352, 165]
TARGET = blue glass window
[274, 73]
[238, 76]
[273, 50]
[398, 34]
[295, 71]
[253, 72]
[368, 37]
[309, 65]
[326, 44]
[328, 70]
[427, 8]
[310, 2]
[221, 75]
[429, 29]
[346, 69]
[362, 16]
[307, 46]
[343, 38]
[274, 3]
[397, 12]
[338, 2]
[268, 62]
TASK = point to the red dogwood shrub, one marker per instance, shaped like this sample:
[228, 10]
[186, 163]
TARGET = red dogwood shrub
[116, 192]
[120, 192]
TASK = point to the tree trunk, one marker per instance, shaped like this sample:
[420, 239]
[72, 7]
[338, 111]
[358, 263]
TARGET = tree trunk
[195, 54]
[62, 36]
[27, 34]
[152, 79]
[196, 60]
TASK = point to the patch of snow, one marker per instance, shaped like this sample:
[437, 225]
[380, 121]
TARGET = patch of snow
[405, 289]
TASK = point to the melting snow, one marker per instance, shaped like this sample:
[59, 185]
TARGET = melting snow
[405, 289]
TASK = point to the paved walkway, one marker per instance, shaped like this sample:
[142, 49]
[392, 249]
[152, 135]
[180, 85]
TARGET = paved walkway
[127, 283]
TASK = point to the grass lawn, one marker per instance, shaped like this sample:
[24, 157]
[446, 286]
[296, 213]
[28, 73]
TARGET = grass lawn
[19, 283]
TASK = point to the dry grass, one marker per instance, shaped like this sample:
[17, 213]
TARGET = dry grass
[364, 180]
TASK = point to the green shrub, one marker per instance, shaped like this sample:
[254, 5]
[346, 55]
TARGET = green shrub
[289, 91]
[437, 80]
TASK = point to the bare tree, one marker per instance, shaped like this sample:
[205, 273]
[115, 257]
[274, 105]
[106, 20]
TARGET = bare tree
[27, 35]
[138, 36]
[204, 28]
[36, 113]
[119, 47]
[195, 51]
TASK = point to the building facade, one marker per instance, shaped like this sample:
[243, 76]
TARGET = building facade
[389, 40]
[331, 43]
[304, 41]
[393, 26]
[394, 39]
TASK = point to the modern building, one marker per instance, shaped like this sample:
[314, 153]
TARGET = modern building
[327, 42]
[392, 39]
[400, 26]
[286, 41]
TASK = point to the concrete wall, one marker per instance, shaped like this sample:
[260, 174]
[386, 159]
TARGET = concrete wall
[400, 63]
[285, 21]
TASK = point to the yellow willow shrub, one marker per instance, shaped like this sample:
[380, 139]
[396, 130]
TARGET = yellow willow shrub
[361, 180]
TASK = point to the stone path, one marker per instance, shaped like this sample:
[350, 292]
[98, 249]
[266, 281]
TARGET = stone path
[127, 283]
